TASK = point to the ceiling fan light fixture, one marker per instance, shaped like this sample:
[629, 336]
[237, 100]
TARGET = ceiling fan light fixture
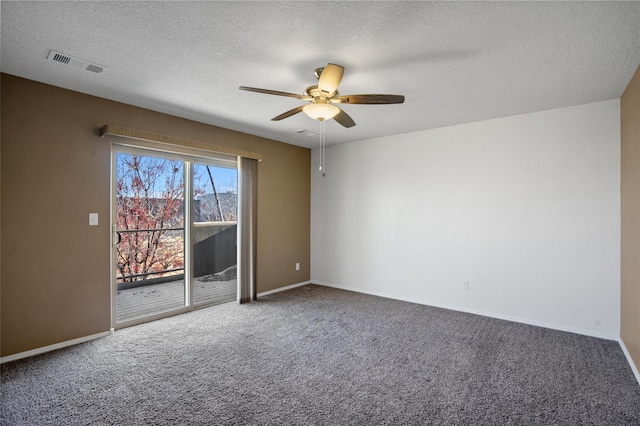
[324, 94]
[321, 111]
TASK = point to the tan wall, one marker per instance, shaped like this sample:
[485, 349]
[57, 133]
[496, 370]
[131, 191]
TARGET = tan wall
[630, 198]
[56, 170]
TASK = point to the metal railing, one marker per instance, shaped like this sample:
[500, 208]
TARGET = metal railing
[213, 250]
[170, 252]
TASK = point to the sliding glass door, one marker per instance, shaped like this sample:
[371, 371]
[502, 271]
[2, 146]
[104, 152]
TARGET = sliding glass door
[175, 233]
[214, 231]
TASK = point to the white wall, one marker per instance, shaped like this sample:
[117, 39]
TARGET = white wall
[525, 208]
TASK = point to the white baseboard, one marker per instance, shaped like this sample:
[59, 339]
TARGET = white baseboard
[630, 360]
[476, 312]
[277, 290]
[54, 347]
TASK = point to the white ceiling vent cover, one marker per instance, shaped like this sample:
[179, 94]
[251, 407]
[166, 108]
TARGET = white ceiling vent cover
[305, 132]
[75, 62]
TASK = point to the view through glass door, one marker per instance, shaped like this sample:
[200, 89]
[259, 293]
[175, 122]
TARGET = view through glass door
[174, 234]
[214, 232]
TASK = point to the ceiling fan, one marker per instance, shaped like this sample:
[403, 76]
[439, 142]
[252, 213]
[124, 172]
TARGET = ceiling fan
[324, 95]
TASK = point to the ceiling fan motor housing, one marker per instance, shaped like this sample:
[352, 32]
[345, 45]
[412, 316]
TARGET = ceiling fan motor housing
[316, 93]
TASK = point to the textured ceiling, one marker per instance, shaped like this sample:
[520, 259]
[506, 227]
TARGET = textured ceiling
[455, 62]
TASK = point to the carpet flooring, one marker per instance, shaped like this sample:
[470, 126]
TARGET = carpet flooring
[320, 356]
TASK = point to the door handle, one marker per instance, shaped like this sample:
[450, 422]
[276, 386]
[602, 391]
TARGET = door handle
[116, 236]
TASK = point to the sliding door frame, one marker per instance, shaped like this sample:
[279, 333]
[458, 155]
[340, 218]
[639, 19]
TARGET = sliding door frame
[188, 156]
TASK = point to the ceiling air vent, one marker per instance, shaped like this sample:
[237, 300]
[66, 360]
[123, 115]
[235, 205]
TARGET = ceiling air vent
[75, 62]
[305, 132]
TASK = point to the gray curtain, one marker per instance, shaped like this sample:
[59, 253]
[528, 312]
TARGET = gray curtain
[247, 220]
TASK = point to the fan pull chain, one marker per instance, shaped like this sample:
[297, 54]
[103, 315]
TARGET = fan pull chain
[322, 147]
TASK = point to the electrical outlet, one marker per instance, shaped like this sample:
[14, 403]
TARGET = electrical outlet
[297, 266]
[465, 285]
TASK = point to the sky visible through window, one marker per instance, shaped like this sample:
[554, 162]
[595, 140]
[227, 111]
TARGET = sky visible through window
[155, 172]
[226, 180]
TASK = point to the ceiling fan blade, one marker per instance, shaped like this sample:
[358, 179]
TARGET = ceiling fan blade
[369, 99]
[288, 113]
[330, 78]
[273, 92]
[344, 119]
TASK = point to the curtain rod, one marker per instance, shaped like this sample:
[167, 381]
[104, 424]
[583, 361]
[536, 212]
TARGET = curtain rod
[113, 130]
